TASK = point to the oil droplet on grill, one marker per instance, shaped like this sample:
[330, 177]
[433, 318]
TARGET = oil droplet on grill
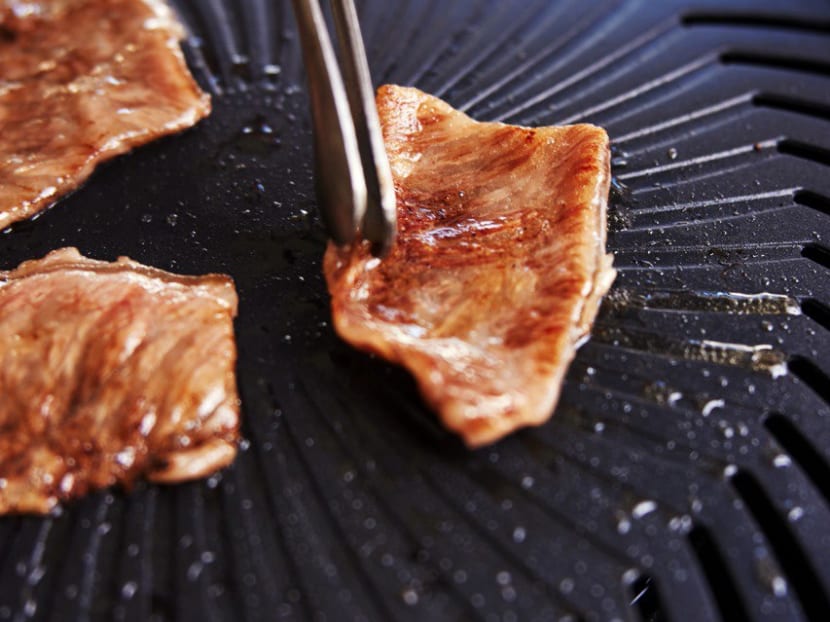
[410, 597]
[257, 137]
[129, 589]
[771, 577]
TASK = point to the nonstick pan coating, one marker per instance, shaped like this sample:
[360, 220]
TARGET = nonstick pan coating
[685, 474]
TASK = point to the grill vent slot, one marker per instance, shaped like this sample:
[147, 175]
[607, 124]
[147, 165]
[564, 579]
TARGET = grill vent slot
[792, 104]
[646, 599]
[800, 449]
[755, 20]
[793, 561]
[805, 150]
[715, 570]
[813, 200]
[811, 375]
[774, 61]
[817, 253]
[817, 311]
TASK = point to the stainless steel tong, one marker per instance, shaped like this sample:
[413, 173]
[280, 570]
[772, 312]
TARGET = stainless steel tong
[354, 182]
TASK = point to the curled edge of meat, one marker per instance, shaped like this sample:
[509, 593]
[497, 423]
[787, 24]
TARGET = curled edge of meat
[215, 445]
[478, 419]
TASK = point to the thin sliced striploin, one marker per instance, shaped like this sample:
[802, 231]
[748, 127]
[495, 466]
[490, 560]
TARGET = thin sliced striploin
[110, 372]
[499, 265]
[82, 81]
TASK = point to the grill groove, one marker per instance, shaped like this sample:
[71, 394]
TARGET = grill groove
[718, 577]
[800, 575]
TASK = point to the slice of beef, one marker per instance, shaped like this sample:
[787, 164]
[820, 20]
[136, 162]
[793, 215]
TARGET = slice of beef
[110, 372]
[82, 81]
[499, 266]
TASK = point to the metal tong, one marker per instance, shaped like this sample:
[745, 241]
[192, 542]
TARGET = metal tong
[353, 178]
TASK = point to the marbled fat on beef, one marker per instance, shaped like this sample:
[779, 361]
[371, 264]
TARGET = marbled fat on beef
[499, 265]
[82, 81]
[110, 372]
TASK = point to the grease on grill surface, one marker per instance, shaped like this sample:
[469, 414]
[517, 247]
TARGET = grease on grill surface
[499, 266]
[111, 371]
[69, 100]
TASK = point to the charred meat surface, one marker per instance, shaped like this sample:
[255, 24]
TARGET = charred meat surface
[499, 266]
[82, 81]
[110, 372]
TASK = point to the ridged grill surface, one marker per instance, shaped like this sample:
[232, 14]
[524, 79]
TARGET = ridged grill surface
[683, 476]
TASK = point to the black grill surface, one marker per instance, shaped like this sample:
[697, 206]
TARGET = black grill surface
[686, 472]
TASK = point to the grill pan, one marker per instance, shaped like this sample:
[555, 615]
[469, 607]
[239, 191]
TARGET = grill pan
[686, 473]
